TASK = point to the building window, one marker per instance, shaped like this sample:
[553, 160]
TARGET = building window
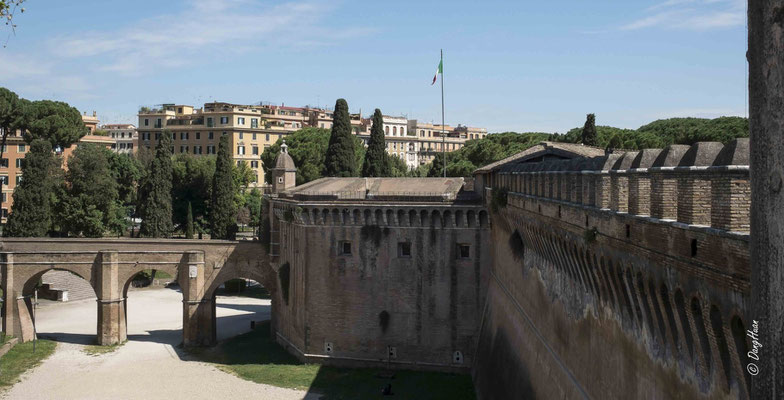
[4, 180]
[5, 197]
[183, 149]
[20, 148]
[254, 123]
[18, 179]
[280, 179]
[209, 135]
[386, 130]
[254, 164]
[224, 120]
[183, 135]
[211, 149]
[463, 251]
[198, 135]
[241, 120]
[158, 124]
[4, 163]
[404, 249]
[146, 122]
[254, 135]
[394, 131]
[209, 122]
[322, 125]
[157, 136]
[223, 133]
[197, 149]
[241, 150]
[130, 146]
[240, 135]
[344, 248]
[5, 213]
[255, 150]
[402, 131]
[267, 138]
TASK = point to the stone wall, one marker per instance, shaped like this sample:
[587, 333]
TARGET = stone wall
[352, 309]
[586, 299]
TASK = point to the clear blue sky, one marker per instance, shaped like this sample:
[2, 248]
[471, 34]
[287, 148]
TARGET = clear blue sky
[508, 65]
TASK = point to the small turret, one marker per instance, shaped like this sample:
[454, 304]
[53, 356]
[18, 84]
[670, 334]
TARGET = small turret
[284, 175]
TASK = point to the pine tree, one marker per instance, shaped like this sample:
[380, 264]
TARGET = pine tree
[155, 200]
[340, 159]
[189, 223]
[589, 131]
[31, 215]
[376, 163]
[223, 224]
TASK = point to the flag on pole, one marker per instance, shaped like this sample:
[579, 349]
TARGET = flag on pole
[440, 70]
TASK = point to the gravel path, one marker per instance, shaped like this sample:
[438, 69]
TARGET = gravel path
[147, 366]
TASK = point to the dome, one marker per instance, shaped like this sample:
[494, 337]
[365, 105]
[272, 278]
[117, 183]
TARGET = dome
[284, 160]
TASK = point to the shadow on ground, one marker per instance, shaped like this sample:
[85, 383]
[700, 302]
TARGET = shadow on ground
[256, 357]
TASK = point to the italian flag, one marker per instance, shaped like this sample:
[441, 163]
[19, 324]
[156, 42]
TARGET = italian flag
[439, 70]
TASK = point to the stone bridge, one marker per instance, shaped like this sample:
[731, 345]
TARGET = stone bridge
[109, 265]
[618, 274]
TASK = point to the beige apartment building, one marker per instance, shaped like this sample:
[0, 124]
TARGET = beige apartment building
[252, 128]
[124, 136]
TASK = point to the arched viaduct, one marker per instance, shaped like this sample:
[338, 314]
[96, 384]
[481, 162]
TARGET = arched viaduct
[109, 265]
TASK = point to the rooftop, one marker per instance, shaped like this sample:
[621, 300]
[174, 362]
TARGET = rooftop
[427, 190]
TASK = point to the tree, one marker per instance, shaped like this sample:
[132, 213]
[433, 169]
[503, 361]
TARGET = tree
[127, 171]
[7, 11]
[189, 223]
[11, 114]
[54, 121]
[340, 159]
[223, 211]
[307, 147]
[89, 203]
[589, 131]
[31, 215]
[375, 163]
[191, 185]
[243, 215]
[155, 198]
[253, 203]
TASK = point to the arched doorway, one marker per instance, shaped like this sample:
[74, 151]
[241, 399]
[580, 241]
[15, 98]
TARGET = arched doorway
[152, 307]
[238, 304]
[61, 306]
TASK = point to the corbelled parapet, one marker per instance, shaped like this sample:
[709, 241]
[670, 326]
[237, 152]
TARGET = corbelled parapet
[705, 184]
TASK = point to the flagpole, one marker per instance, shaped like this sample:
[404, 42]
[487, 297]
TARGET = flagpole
[443, 127]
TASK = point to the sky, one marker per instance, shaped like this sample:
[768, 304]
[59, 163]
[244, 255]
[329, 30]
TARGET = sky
[508, 65]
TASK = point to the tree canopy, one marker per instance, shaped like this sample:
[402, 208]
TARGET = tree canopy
[307, 147]
[155, 196]
[375, 163]
[589, 130]
[34, 196]
[223, 208]
[54, 121]
[11, 114]
[340, 159]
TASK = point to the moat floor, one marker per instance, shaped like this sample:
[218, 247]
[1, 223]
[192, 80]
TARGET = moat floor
[149, 365]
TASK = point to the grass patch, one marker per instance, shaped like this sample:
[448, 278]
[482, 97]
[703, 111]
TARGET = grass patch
[254, 356]
[22, 358]
[162, 274]
[97, 350]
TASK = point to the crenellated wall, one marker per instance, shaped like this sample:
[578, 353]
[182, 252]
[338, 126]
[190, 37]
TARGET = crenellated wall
[622, 276]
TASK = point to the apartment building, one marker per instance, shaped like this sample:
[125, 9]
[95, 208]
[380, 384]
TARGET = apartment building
[252, 128]
[91, 122]
[13, 157]
[124, 136]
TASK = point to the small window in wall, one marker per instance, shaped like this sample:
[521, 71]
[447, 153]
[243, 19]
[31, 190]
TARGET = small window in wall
[404, 249]
[344, 248]
[463, 251]
[280, 179]
[694, 247]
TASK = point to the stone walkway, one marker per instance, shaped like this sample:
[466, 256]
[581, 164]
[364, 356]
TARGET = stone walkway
[148, 365]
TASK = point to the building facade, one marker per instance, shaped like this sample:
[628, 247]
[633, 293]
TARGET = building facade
[252, 128]
[124, 136]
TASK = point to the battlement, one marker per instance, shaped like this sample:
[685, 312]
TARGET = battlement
[706, 184]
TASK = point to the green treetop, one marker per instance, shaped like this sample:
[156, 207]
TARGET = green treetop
[54, 121]
[589, 131]
[340, 159]
[32, 213]
[223, 211]
[155, 196]
[376, 155]
[11, 114]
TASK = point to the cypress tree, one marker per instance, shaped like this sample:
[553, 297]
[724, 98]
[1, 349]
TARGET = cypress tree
[340, 159]
[223, 213]
[376, 163]
[31, 215]
[189, 223]
[589, 131]
[155, 203]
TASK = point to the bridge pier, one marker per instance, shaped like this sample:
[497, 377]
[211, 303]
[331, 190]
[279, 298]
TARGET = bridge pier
[11, 325]
[198, 310]
[111, 304]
